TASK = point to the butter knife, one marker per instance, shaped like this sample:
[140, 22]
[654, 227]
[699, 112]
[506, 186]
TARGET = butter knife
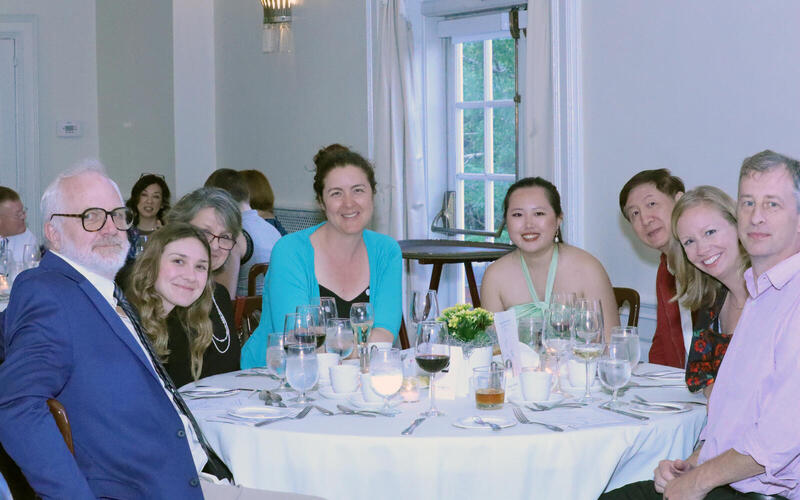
[626, 413]
[408, 430]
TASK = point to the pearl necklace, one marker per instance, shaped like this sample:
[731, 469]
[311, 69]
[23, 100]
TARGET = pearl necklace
[227, 336]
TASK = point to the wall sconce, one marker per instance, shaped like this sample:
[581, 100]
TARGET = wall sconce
[277, 26]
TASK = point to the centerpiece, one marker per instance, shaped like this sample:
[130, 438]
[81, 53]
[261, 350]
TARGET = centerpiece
[472, 330]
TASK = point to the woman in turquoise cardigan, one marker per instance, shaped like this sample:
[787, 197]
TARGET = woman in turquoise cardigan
[339, 258]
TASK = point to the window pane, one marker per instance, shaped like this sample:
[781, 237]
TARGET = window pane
[504, 153]
[472, 71]
[473, 141]
[474, 208]
[503, 68]
[500, 188]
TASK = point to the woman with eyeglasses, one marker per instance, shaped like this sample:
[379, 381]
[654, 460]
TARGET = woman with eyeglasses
[171, 287]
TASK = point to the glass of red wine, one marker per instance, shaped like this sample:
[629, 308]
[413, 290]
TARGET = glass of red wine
[432, 352]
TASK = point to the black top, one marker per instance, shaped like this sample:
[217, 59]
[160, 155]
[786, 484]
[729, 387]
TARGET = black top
[343, 306]
[179, 365]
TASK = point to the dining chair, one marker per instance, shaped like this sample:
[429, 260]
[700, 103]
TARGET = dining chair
[246, 315]
[62, 421]
[255, 271]
[630, 296]
[404, 343]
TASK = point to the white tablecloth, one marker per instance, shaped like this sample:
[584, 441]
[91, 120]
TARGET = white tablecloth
[354, 457]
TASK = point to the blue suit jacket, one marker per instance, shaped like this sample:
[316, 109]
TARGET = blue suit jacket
[63, 340]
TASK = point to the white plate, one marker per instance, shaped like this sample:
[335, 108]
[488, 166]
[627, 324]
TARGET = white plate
[554, 398]
[358, 401]
[666, 409]
[209, 392]
[327, 392]
[259, 412]
[469, 423]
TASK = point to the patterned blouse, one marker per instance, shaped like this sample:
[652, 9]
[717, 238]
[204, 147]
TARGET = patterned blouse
[708, 346]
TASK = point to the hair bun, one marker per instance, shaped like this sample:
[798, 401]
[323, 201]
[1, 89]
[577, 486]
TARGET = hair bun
[328, 150]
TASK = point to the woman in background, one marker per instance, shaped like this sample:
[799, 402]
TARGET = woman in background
[262, 198]
[710, 277]
[339, 258]
[532, 212]
[171, 287]
[149, 202]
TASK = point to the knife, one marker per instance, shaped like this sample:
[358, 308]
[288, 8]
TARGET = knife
[408, 430]
[626, 413]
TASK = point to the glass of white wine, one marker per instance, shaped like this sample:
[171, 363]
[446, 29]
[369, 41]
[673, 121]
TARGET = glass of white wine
[614, 368]
[361, 319]
[386, 374]
[587, 344]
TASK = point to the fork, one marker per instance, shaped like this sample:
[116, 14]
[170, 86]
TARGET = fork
[300, 415]
[480, 421]
[524, 420]
[538, 407]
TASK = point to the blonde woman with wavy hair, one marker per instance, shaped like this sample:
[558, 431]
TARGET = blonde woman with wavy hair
[170, 285]
[710, 277]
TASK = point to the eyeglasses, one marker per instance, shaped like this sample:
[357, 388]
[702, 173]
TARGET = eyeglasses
[225, 242]
[93, 219]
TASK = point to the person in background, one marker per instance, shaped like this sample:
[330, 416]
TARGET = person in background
[646, 201]
[171, 287]
[258, 236]
[149, 202]
[14, 235]
[339, 258]
[532, 213]
[215, 214]
[750, 446]
[262, 198]
[710, 277]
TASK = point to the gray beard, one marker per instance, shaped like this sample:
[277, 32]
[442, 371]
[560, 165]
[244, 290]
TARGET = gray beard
[106, 266]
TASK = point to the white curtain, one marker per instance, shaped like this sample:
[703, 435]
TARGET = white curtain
[401, 210]
[538, 93]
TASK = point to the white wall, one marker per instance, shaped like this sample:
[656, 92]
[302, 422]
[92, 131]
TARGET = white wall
[67, 73]
[134, 80]
[691, 86]
[274, 111]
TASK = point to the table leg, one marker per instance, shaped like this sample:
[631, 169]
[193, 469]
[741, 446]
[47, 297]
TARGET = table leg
[473, 286]
[436, 275]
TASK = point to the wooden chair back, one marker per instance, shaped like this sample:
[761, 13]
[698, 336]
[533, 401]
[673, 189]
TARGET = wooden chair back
[255, 271]
[404, 343]
[630, 296]
[246, 315]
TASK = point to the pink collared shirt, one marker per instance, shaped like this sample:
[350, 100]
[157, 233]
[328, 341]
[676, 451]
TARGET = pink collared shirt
[755, 406]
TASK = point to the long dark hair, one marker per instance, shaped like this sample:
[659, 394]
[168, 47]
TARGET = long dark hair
[145, 181]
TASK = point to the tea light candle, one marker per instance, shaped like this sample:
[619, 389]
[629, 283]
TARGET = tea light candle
[409, 390]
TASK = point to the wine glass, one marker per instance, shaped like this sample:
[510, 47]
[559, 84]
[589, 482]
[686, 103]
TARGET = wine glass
[615, 369]
[141, 241]
[386, 374]
[312, 319]
[361, 319]
[432, 352]
[529, 331]
[629, 334]
[302, 369]
[293, 332]
[556, 334]
[339, 337]
[276, 358]
[328, 306]
[587, 343]
[424, 306]
[31, 256]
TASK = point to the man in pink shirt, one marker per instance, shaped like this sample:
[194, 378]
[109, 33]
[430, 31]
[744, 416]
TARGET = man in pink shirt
[750, 447]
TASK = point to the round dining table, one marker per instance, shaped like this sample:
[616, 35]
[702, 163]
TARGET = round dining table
[348, 456]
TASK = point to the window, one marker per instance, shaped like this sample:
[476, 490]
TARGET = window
[483, 132]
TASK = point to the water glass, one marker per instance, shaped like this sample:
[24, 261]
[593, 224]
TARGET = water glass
[362, 318]
[339, 337]
[614, 368]
[557, 331]
[31, 256]
[276, 358]
[630, 335]
[302, 369]
[529, 331]
[386, 373]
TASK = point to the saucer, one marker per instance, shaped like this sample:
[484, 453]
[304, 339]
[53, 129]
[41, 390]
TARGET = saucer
[469, 423]
[327, 392]
[259, 412]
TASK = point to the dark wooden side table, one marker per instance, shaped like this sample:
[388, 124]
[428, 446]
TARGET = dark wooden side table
[441, 252]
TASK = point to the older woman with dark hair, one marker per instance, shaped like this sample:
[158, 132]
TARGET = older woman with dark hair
[339, 258]
[262, 198]
[171, 287]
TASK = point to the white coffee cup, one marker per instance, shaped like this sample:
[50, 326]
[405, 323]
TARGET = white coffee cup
[344, 378]
[366, 389]
[325, 360]
[576, 373]
[535, 385]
